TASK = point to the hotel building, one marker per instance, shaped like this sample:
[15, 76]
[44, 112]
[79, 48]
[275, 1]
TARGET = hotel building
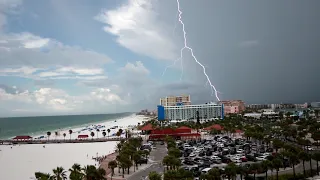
[175, 100]
[233, 106]
[189, 112]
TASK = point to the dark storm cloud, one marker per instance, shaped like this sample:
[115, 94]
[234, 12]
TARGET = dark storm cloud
[258, 51]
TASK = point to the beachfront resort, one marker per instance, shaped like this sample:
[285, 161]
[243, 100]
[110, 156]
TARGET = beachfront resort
[178, 143]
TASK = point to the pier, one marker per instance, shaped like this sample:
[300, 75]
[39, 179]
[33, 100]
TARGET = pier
[56, 141]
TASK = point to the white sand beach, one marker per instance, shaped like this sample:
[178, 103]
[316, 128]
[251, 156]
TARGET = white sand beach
[113, 125]
[19, 162]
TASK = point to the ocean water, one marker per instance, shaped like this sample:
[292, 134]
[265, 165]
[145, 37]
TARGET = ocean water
[13, 126]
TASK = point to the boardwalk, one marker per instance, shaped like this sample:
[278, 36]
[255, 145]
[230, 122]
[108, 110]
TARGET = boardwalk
[56, 141]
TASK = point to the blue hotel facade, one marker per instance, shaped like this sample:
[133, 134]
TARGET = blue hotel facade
[185, 112]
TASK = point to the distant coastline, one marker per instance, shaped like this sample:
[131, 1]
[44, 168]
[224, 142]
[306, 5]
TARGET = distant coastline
[13, 126]
[2, 117]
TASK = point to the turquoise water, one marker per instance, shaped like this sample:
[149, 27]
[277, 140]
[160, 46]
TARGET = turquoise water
[14, 126]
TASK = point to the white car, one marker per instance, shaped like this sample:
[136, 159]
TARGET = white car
[215, 158]
[266, 154]
[240, 151]
[261, 158]
[236, 160]
[309, 148]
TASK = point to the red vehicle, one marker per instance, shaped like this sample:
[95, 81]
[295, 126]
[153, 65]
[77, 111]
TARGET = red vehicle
[244, 159]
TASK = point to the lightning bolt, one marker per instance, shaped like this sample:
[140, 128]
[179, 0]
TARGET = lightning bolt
[179, 59]
[213, 88]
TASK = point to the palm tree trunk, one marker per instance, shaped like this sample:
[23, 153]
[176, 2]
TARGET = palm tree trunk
[318, 167]
[304, 169]
[294, 171]
[311, 167]
[241, 176]
[277, 175]
[254, 176]
[122, 172]
[266, 174]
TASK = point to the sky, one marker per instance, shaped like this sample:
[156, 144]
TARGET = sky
[110, 56]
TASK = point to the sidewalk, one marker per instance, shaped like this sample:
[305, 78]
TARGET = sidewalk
[118, 175]
[104, 165]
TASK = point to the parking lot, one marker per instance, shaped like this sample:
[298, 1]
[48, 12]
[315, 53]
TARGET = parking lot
[199, 156]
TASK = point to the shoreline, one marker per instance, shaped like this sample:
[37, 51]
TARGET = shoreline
[74, 128]
[31, 158]
[59, 141]
[66, 128]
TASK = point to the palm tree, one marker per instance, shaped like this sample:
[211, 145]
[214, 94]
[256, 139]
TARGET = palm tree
[231, 170]
[108, 130]
[316, 157]
[293, 160]
[92, 134]
[56, 134]
[89, 172]
[304, 157]
[213, 174]
[104, 134]
[120, 131]
[265, 165]
[118, 134]
[100, 174]
[136, 158]
[277, 164]
[277, 144]
[59, 174]
[48, 134]
[75, 172]
[167, 161]
[42, 176]
[241, 170]
[254, 169]
[64, 136]
[153, 175]
[70, 132]
[111, 165]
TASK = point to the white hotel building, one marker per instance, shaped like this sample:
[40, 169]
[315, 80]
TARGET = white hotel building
[207, 111]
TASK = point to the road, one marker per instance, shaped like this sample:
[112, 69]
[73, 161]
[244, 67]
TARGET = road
[156, 157]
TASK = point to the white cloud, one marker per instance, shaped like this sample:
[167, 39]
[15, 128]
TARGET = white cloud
[137, 68]
[36, 43]
[57, 100]
[81, 77]
[81, 71]
[106, 95]
[57, 73]
[49, 74]
[29, 56]
[23, 70]
[26, 49]
[67, 71]
[137, 28]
